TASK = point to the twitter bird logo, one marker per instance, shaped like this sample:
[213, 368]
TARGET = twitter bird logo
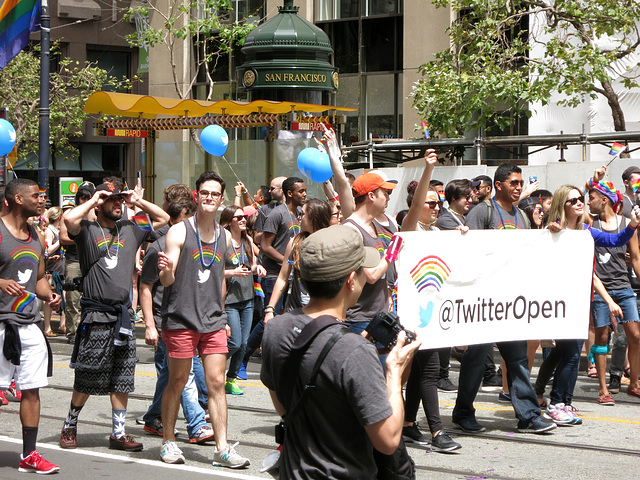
[23, 277]
[425, 314]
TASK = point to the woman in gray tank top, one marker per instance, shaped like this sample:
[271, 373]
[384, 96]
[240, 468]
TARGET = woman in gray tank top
[240, 265]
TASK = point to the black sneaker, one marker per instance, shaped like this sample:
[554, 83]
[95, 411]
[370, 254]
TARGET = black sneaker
[443, 443]
[492, 384]
[614, 384]
[412, 434]
[447, 385]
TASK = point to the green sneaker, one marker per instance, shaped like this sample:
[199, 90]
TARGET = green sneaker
[232, 388]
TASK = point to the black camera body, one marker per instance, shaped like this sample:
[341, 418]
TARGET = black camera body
[74, 284]
[385, 327]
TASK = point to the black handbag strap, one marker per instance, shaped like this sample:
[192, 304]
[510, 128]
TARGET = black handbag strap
[300, 346]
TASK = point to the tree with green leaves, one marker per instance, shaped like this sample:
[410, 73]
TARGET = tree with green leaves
[508, 55]
[70, 87]
[208, 23]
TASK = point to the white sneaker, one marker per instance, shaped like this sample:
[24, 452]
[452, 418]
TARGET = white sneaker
[170, 452]
[557, 414]
[229, 458]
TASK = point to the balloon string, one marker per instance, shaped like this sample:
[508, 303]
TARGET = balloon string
[231, 168]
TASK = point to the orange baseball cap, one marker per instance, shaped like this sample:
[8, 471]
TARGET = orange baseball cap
[368, 182]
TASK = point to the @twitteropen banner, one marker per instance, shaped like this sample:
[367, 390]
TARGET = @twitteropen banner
[493, 286]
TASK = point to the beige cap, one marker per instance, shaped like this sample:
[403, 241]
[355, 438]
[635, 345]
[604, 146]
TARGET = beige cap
[333, 253]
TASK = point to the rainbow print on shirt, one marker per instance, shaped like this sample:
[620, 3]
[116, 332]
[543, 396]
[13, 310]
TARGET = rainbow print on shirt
[385, 237]
[293, 227]
[207, 253]
[430, 272]
[25, 254]
[22, 302]
[116, 246]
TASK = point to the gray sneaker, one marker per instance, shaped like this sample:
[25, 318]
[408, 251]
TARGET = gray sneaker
[228, 457]
[170, 453]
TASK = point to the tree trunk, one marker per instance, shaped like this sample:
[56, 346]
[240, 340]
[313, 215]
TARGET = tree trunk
[614, 103]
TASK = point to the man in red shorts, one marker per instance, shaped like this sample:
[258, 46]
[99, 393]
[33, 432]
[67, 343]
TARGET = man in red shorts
[193, 316]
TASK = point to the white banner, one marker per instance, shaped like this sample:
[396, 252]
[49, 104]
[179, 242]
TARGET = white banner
[491, 286]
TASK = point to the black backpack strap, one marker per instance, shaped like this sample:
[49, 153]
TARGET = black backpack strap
[299, 348]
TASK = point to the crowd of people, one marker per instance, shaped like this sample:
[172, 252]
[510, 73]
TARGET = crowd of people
[216, 279]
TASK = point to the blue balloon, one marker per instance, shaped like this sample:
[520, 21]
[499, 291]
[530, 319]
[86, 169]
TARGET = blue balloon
[314, 165]
[7, 137]
[214, 140]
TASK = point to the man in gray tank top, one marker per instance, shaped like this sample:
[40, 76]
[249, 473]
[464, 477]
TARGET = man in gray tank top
[193, 316]
[371, 194]
[21, 279]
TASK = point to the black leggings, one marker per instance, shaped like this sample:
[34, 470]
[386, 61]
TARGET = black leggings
[423, 385]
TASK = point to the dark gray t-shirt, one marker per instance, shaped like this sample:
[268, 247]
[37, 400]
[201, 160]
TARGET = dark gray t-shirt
[263, 213]
[194, 300]
[374, 296]
[448, 221]
[19, 261]
[109, 279]
[327, 439]
[285, 226]
[501, 219]
[151, 273]
[611, 267]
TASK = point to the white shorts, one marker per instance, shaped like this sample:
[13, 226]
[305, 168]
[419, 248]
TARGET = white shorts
[32, 371]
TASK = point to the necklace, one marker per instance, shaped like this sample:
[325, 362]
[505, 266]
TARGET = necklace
[515, 215]
[215, 243]
[456, 215]
[238, 258]
[110, 243]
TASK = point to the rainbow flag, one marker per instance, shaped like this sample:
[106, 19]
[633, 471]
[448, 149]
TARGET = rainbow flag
[143, 222]
[18, 18]
[635, 185]
[23, 301]
[425, 129]
[320, 145]
[257, 290]
[616, 148]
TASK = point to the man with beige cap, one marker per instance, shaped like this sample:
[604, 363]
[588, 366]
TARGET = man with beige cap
[352, 407]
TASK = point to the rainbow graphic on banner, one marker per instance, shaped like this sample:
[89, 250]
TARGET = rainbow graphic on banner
[616, 148]
[143, 222]
[257, 290]
[430, 272]
[23, 301]
[207, 252]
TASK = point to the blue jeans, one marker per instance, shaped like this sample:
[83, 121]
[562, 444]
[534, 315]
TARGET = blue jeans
[201, 384]
[566, 374]
[239, 317]
[625, 298]
[523, 397]
[193, 412]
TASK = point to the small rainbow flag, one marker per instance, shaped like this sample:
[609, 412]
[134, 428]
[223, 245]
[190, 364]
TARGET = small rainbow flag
[441, 196]
[42, 191]
[143, 222]
[425, 129]
[635, 185]
[320, 145]
[125, 187]
[23, 301]
[257, 290]
[616, 148]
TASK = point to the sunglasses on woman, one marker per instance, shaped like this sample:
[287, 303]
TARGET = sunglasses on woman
[240, 217]
[573, 201]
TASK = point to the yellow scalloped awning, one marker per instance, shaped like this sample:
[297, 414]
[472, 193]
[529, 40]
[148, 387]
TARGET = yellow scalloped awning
[145, 106]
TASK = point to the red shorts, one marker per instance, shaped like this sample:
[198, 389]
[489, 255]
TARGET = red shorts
[183, 343]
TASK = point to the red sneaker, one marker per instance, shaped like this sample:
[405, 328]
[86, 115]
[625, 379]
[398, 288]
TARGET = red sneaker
[35, 463]
[14, 394]
[3, 399]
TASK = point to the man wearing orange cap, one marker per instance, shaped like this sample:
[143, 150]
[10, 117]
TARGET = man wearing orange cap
[371, 195]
